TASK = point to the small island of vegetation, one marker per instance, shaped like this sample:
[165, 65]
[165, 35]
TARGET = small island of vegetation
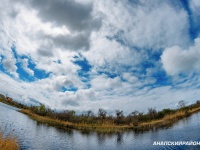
[103, 122]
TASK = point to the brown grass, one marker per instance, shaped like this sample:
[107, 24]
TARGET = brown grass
[168, 120]
[80, 126]
[8, 143]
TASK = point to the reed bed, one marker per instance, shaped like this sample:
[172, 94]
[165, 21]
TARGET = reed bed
[8, 143]
[166, 121]
[79, 126]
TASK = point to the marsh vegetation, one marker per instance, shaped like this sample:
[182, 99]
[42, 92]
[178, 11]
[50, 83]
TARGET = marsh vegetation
[102, 121]
[8, 143]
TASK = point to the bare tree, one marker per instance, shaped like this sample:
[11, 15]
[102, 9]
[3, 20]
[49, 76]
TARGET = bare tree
[119, 113]
[89, 113]
[152, 113]
[102, 113]
[135, 113]
[120, 116]
[181, 104]
[198, 102]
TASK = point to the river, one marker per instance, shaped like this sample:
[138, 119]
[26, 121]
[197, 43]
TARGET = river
[33, 135]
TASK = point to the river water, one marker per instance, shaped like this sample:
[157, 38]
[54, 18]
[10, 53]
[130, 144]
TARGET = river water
[36, 136]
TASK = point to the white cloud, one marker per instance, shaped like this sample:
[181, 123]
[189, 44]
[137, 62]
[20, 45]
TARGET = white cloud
[195, 5]
[9, 66]
[141, 26]
[110, 55]
[26, 68]
[86, 94]
[147, 24]
[176, 60]
[195, 15]
[105, 83]
[129, 77]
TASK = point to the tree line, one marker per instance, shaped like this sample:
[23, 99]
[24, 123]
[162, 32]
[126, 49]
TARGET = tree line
[102, 117]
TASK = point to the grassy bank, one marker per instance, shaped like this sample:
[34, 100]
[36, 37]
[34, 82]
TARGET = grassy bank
[166, 121]
[80, 126]
[8, 143]
[102, 121]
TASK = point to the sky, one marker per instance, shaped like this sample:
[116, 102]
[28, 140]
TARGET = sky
[85, 55]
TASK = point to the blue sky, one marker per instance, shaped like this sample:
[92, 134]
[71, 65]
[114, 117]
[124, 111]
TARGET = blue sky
[85, 55]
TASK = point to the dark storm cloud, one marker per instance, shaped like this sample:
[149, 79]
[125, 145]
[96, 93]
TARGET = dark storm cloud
[45, 52]
[77, 42]
[77, 17]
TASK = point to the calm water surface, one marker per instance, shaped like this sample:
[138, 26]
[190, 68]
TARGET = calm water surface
[36, 136]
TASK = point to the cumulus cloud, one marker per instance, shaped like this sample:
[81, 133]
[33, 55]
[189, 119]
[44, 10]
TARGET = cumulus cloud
[105, 83]
[110, 56]
[77, 17]
[195, 16]
[9, 65]
[195, 6]
[147, 24]
[142, 26]
[129, 77]
[26, 68]
[176, 60]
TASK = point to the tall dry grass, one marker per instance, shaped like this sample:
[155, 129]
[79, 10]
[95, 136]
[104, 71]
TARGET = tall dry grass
[8, 143]
[166, 121]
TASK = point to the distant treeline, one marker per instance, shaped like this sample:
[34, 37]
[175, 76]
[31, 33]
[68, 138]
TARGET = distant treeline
[102, 117]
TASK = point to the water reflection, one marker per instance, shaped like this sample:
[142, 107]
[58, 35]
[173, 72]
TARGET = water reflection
[101, 137]
[35, 135]
[40, 126]
[119, 138]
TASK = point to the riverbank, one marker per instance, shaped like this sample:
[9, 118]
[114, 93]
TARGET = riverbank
[102, 122]
[8, 143]
[166, 121]
[69, 125]
[169, 120]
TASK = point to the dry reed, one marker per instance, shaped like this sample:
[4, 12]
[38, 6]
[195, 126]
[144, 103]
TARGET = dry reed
[8, 143]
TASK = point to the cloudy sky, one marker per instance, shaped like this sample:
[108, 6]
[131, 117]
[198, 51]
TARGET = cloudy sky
[85, 55]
